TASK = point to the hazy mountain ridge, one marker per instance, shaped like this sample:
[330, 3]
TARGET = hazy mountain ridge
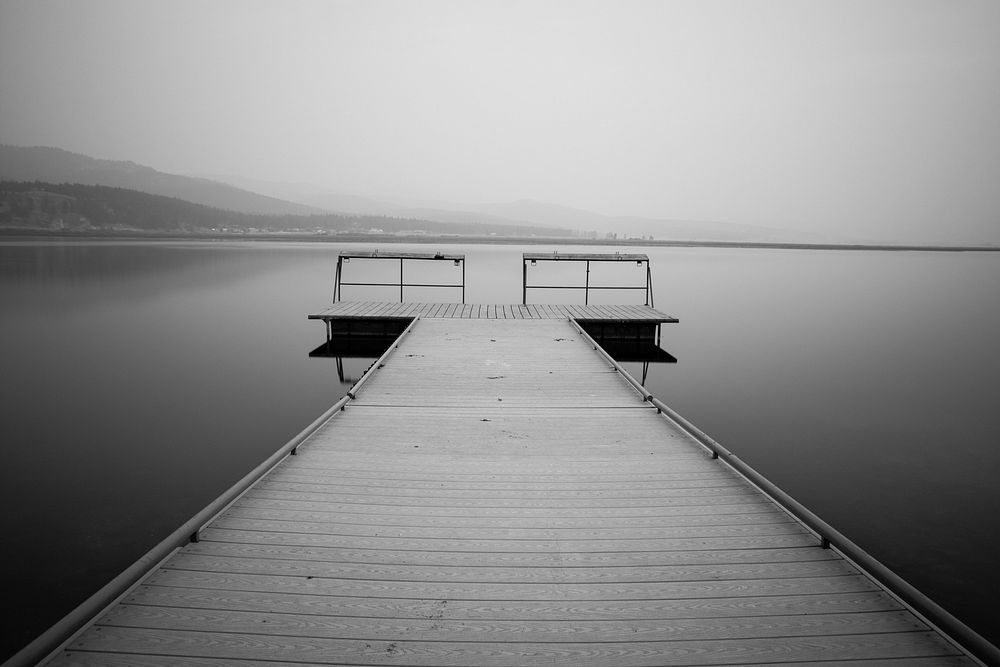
[529, 210]
[58, 166]
[350, 204]
[54, 165]
[77, 207]
[524, 217]
[523, 212]
[309, 195]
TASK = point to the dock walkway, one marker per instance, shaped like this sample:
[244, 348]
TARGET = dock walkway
[343, 310]
[497, 494]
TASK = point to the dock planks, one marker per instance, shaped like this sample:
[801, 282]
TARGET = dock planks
[496, 495]
[347, 310]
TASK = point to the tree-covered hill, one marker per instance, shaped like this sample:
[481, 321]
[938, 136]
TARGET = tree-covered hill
[54, 165]
[64, 206]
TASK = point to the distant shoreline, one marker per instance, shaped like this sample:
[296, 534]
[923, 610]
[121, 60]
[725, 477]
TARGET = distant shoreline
[9, 234]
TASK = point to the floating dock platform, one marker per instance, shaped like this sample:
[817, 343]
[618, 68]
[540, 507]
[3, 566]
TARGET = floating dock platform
[608, 322]
[496, 491]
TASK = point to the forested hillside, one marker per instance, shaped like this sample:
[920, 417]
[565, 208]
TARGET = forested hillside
[54, 165]
[51, 206]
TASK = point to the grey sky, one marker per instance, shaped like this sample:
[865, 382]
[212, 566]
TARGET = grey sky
[866, 118]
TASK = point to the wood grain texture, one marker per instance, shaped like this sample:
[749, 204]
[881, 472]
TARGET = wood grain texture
[549, 631]
[132, 660]
[395, 309]
[498, 495]
[748, 606]
[319, 650]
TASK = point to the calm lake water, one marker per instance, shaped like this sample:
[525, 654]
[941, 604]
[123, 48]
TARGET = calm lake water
[140, 380]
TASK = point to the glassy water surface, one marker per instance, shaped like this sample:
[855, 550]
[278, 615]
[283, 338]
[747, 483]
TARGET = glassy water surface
[140, 380]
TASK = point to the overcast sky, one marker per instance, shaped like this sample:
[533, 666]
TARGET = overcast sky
[864, 118]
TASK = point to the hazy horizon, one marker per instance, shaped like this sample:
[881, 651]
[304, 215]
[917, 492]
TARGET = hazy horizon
[848, 119]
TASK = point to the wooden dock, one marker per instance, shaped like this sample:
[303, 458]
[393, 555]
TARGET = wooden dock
[497, 494]
[373, 310]
[609, 322]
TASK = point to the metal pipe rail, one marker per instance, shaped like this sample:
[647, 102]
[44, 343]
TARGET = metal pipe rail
[352, 392]
[587, 258]
[931, 612]
[401, 257]
[646, 396]
[53, 640]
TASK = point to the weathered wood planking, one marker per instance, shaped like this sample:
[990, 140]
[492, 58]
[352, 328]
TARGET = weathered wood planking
[397, 310]
[496, 495]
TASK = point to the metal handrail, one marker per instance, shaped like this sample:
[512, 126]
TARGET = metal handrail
[352, 393]
[935, 615]
[585, 287]
[587, 258]
[55, 638]
[401, 257]
[646, 396]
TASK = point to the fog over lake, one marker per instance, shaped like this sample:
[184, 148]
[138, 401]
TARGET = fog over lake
[836, 120]
[143, 379]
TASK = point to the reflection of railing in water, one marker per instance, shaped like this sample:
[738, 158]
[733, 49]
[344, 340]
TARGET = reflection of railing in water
[533, 258]
[401, 257]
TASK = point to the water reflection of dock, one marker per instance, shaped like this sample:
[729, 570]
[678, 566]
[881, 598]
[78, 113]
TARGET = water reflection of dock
[497, 492]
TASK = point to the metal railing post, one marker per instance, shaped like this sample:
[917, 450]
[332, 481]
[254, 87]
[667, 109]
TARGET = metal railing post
[400, 281]
[649, 285]
[336, 280]
[524, 282]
